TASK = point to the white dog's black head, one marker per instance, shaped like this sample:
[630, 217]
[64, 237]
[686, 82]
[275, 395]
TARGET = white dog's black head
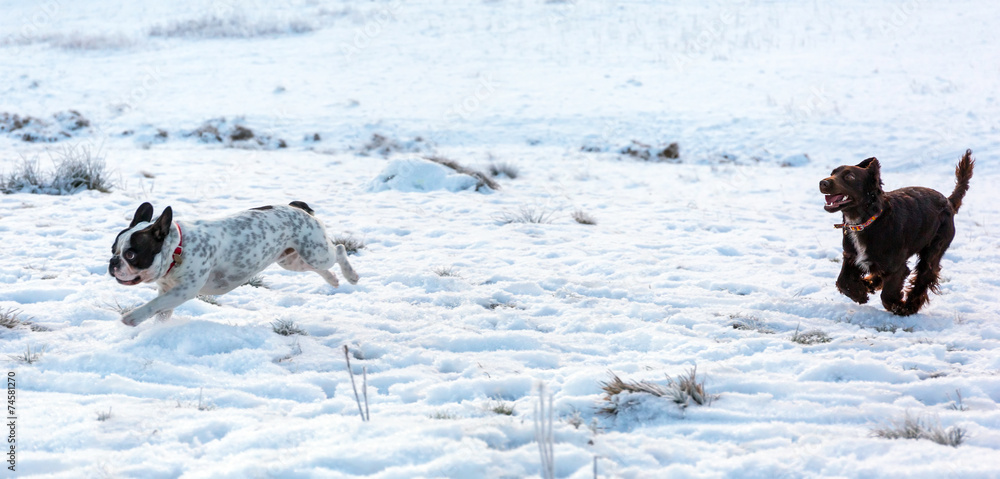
[139, 255]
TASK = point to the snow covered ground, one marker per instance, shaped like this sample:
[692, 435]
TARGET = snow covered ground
[459, 317]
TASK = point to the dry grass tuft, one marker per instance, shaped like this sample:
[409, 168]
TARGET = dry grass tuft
[910, 427]
[385, 146]
[524, 214]
[482, 178]
[583, 218]
[256, 282]
[446, 272]
[77, 168]
[104, 416]
[10, 318]
[287, 327]
[210, 299]
[749, 323]
[236, 25]
[501, 407]
[117, 306]
[504, 169]
[813, 336]
[443, 415]
[28, 356]
[351, 244]
[682, 391]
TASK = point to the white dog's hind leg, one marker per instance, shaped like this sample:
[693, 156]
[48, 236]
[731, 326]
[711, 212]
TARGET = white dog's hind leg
[345, 267]
[293, 261]
[329, 277]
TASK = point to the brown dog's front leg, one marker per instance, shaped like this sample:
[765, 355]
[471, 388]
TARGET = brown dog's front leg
[850, 282]
[892, 293]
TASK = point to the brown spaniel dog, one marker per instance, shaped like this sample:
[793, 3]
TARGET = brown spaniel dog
[884, 229]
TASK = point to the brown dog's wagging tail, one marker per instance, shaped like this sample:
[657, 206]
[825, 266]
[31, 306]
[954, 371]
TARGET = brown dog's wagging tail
[963, 173]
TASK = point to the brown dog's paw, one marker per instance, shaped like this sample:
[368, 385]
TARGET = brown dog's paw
[858, 295]
[900, 309]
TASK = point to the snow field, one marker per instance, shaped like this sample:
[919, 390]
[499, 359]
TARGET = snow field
[458, 315]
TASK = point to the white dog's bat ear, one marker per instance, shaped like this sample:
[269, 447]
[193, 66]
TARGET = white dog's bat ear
[143, 213]
[161, 228]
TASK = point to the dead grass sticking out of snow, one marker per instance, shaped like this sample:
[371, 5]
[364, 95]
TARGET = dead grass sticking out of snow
[28, 356]
[10, 318]
[915, 427]
[351, 244]
[287, 327]
[813, 336]
[501, 407]
[236, 25]
[682, 391]
[583, 218]
[76, 168]
[256, 282]
[503, 169]
[484, 180]
[384, 146]
[524, 214]
[749, 323]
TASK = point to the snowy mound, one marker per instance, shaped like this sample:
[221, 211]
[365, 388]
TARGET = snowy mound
[413, 174]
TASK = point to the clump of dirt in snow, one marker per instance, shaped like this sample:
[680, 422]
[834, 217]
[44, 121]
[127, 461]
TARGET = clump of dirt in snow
[384, 146]
[61, 126]
[670, 153]
[235, 134]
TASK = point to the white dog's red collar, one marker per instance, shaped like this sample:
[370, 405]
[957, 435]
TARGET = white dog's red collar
[177, 251]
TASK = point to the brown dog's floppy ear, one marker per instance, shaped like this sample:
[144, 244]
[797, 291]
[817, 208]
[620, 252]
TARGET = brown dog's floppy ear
[161, 228]
[874, 169]
[868, 162]
[143, 213]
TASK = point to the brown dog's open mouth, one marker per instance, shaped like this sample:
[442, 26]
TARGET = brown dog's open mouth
[130, 282]
[835, 202]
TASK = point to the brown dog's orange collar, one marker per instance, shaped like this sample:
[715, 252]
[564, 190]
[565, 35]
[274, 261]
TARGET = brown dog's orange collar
[845, 226]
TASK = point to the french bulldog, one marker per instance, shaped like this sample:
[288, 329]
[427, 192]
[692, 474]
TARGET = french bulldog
[215, 256]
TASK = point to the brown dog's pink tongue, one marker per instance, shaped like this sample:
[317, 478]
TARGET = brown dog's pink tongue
[831, 199]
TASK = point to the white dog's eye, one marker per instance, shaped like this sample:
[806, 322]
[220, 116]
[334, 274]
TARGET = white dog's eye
[129, 255]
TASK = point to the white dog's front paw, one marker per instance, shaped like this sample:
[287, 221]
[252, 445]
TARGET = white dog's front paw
[134, 318]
